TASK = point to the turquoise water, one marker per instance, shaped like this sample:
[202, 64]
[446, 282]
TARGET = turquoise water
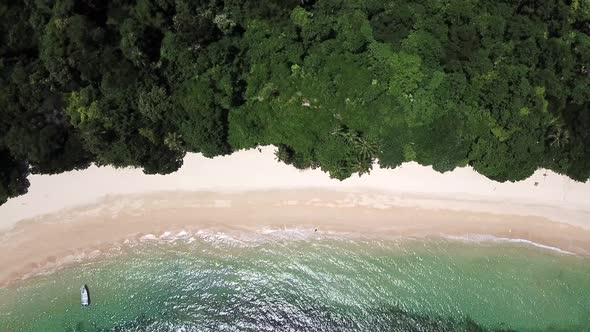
[308, 282]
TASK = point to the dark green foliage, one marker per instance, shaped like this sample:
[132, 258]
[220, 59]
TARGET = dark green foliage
[13, 176]
[335, 84]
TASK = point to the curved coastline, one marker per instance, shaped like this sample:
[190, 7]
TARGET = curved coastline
[545, 194]
[67, 217]
[53, 241]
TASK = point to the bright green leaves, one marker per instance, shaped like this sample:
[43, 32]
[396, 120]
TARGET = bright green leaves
[427, 103]
[81, 109]
[409, 152]
[422, 97]
[312, 28]
[301, 18]
[224, 23]
[500, 133]
[174, 142]
[539, 98]
[401, 72]
[406, 71]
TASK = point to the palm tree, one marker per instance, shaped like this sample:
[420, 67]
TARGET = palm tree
[344, 133]
[362, 166]
[559, 134]
[173, 141]
[559, 137]
[367, 148]
[284, 154]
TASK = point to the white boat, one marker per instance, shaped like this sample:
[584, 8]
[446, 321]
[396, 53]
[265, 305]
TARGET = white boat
[85, 295]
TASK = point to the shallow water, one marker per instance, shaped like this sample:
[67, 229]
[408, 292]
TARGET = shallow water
[299, 280]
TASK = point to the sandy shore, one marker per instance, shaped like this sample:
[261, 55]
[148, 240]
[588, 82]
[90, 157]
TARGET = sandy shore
[70, 216]
[66, 237]
[544, 194]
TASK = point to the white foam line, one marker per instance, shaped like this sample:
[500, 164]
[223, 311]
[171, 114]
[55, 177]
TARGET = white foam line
[538, 245]
[270, 234]
[491, 238]
[148, 237]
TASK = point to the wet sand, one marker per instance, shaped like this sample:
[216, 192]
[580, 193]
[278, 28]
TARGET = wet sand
[46, 242]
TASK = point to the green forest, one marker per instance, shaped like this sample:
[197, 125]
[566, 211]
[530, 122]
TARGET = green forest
[502, 86]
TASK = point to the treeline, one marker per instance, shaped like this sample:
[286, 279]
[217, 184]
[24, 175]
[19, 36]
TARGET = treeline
[503, 86]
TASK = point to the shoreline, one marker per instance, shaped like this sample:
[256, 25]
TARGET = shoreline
[71, 214]
[60, 239]
[544, 194]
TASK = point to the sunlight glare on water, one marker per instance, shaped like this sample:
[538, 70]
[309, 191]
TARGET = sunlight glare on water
[288, 282]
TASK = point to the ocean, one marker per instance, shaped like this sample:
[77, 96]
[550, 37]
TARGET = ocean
[303, 280]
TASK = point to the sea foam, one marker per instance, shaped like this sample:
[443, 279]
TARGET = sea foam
[483, 238]
[240, 238]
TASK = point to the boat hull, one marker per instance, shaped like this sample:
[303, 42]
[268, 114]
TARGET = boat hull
[84, 296]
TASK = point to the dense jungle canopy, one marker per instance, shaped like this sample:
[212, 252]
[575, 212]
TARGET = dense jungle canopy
[502, 86]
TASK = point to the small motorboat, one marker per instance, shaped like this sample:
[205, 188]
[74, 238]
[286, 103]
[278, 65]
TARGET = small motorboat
[85, 296]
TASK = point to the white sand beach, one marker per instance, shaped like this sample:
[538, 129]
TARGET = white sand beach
[83, 211]
[544, 194]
